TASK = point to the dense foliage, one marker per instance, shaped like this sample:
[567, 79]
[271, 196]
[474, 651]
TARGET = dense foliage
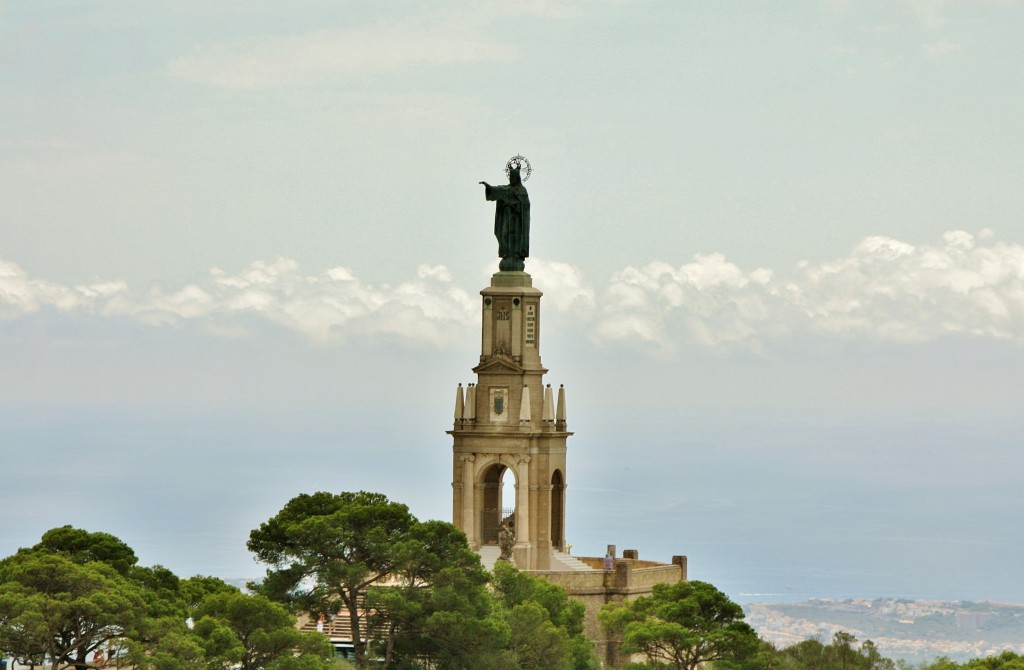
[1004, 661]
[326, 550]
[681, 626]
[53, 609]
[79, 599]
[416, 588]
[547, 625]
[844, 652]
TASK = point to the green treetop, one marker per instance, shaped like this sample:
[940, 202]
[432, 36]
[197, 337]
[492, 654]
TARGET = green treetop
[682, 626]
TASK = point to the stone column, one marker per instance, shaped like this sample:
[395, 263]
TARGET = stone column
[469, 521]
[487, 332]
[517, 330]
[681, 562]
[542, 508]
[523, 552]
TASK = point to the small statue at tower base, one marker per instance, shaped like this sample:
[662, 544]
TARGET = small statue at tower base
[506, 540]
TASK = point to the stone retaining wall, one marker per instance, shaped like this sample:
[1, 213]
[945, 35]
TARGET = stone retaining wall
[629, 579]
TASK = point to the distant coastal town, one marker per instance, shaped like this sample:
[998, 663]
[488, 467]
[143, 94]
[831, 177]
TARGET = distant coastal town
[912, 630]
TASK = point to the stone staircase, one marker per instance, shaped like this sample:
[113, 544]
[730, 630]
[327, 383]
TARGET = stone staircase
[560, 562]
[564, 562]
[337, 628]
[489, 555]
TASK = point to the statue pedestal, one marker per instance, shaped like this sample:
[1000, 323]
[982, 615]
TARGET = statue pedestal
[511, 279]
[522, 554]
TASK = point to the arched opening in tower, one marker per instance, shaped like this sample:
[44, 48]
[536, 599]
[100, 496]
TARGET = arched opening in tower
[557, 510]
[499, 503]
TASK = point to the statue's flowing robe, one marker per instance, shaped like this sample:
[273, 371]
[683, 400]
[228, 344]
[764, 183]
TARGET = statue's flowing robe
[511, 220]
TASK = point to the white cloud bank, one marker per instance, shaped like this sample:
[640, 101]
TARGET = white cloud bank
[884, 290]
[326, 307]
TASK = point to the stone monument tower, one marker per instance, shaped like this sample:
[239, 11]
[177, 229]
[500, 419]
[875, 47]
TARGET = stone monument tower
[509, 420]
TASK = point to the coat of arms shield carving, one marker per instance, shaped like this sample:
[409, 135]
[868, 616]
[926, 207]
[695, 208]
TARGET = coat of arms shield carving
[499, 405]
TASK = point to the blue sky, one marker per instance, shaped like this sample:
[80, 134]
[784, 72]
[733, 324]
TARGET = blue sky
[781, 245]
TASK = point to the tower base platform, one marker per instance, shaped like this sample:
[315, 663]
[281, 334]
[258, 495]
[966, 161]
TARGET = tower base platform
[588, 580]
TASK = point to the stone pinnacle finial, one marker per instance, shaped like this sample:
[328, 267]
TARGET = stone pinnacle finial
[524, 408]
[470, 411]
[459, 404]
[560, 414]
